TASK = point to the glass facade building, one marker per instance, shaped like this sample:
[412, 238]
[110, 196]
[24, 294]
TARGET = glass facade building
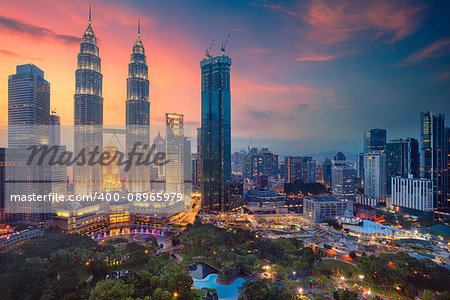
[374, 140]
[215, 131]
[402, 156]
[28, 107]
[434, 155]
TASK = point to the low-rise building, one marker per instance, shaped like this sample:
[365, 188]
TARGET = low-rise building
[320, 209]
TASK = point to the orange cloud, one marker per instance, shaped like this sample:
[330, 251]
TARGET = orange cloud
[174, 78]
[317, 57]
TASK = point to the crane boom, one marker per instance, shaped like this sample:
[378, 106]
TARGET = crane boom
[208, 51]
[224, 44]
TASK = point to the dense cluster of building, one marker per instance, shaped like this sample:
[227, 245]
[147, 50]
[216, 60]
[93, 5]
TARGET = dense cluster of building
[403, 174]
[31, 123]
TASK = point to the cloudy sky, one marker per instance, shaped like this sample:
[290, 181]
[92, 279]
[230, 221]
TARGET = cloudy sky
[307, 76]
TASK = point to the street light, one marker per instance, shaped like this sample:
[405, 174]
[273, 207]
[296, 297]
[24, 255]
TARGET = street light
[300, 291]
[361, 277]
[175, 294]
[342, 278]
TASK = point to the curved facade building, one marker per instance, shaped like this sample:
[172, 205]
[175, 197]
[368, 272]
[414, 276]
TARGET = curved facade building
[138, 115]
[88, 110]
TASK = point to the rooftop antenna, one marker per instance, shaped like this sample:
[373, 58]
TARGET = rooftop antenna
[224, 44]
[139, 27]
[208, 51]
[90, 19]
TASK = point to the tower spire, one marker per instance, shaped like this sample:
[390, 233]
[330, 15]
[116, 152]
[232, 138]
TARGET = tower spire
[90, 19]
[139, 27]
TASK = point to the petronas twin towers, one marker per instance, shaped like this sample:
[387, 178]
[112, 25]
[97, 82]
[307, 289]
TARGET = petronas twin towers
[88, 110]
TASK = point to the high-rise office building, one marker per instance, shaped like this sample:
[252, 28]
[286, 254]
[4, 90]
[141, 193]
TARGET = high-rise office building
[216, 130]
[88, 111]
[138, 115]
[360, 165]
[28, 107]
[326, 171]
[55, 129]
[448, 163]
[160, 144]
[375, 175]
[175, 142]
[29, 124]
[339, 158]
[342, 179]
[412, 195]
[374, 140]
[187, 160]
[2, 185]
[434, 155]
[199, 159]
[195, 181]
[59, 173]
[262, 163]
[300, 168]
[402, 157]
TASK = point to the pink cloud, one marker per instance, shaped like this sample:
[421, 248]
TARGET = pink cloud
[339, 21]
[437, 49]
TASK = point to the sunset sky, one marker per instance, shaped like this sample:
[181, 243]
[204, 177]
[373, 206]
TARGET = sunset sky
[307, 76]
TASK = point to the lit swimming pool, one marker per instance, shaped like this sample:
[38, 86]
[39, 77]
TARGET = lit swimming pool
[225, 292]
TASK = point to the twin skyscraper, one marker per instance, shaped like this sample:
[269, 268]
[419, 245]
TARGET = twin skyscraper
[88, 110]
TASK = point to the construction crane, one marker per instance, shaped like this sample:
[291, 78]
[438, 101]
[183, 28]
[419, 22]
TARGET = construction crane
[224, 44]
[208, 51]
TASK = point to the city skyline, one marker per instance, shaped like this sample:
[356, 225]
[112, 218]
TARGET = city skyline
[358, 78]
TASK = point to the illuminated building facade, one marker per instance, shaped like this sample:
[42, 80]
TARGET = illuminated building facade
[88, 110]
[412, 195]
[320, 209]
[175, 153]
[111, 172]
[262, 163]
[300, 168]
[160, 144]
[28, 124]
[434, 155]
[375, 175]
[216, 131]
[138, 115]
[28, 107]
